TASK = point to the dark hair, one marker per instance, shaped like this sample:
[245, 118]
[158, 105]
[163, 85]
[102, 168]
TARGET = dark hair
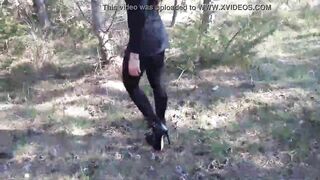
[154, 2]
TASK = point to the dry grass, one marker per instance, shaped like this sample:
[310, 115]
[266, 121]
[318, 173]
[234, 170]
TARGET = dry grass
[81, 124]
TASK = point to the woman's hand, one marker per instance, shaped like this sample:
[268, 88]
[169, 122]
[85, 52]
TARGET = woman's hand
[134, 64]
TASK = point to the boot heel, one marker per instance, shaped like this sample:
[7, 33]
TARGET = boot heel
[156, 138]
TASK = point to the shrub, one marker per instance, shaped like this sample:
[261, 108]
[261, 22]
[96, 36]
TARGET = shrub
[17, 46]
[231, 40]
[22, 73]
[9, 27]
[6, 62]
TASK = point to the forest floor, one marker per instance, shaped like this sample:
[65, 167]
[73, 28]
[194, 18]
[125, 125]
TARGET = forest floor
[84, 126]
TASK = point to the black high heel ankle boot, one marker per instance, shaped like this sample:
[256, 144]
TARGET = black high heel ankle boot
[156, 137]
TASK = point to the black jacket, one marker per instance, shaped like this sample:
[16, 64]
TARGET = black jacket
[146, 29]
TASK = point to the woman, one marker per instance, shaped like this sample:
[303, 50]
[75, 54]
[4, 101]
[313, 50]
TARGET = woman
[145, 51]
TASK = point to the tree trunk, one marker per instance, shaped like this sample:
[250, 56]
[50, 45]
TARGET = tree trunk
[42, 13]
[175, 13]
[205, 16]
[97, 28]
[205, 20]
[5, 3]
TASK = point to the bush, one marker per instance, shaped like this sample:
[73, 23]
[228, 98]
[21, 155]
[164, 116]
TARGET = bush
[6, 62]
[231, 40]
[9, 27]
[189, 40]
[17, 46]
[22, 73]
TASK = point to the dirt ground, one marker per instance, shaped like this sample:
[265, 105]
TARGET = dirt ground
[223, 125]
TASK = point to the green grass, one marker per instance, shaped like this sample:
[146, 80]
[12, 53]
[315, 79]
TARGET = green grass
[4, 83]
[81, 123]
[31, 113]
[21, 145]
[213, 139]
[147, 89]
[285, 58]
[5, 63]
[271, 122]
[113, 112]
[219, 149]
[28, 112]
[69, 123]
[280, 73]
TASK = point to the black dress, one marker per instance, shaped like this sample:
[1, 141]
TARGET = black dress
[147, 33]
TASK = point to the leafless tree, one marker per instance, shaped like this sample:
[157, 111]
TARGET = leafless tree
[41, 9]
[97, 23]
[175, 13]
[97, 27]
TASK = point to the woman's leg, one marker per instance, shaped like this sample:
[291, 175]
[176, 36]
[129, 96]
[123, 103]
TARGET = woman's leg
[131, 84]
[155, 73]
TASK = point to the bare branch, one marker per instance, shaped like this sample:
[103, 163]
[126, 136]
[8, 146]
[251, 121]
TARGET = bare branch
[82, 13]
[112, 21]
[233, 37]
[229, 43]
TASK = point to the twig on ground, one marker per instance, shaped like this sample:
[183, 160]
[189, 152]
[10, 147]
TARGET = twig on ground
[183, 70]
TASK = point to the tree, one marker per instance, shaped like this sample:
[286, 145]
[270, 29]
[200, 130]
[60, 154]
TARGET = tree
[175, 13]
[97, 28]
[4, 2]
[41, 9]
[100, 30]
[205, 19]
